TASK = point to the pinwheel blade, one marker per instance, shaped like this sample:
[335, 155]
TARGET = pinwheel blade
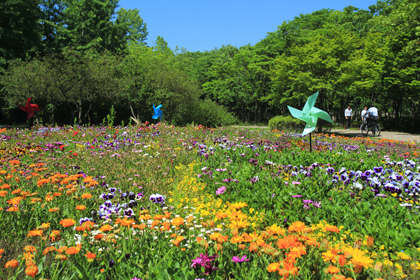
[310, 103]
[308, 129]
[157, 112]
[321, 114]
[295, 112]
[309, 114]
[28, 102]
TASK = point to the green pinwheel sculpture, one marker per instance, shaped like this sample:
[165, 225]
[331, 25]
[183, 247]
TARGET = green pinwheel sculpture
[310, 114]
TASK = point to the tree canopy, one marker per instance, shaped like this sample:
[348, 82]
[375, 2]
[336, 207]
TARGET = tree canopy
[76, 54]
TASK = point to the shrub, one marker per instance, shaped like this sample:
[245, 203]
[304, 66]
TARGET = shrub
[205, 112]
[406, 124]
[286, 123]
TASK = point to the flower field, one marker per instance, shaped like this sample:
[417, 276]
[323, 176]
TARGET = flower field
[163, 202]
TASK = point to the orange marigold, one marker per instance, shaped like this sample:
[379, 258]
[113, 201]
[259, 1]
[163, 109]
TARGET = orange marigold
[124, 222]
[35, 232]
[288, 242]
[105, 228]
[99, 236]
[11, 264]
[331, 228]
[80, 207]
[298, 227]
[62, 249]
[177, 221]
[253, 247]
[86, 196]
[31, 271]
[49, 249]
[67, 222]
[236, 239]
[273, 267]
[72, 250]
[222, 239]
[178, 240]
[54, 209]
[90, 256]
[333, 270]
[30, 249]
[215, 235]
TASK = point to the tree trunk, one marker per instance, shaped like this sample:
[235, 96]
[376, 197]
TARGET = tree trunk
[80, 113]
[397, 114]
[265, 114]
[256, 112]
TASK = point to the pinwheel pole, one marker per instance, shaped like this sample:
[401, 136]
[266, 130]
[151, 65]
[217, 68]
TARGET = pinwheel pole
[310, 142]
[310, 115]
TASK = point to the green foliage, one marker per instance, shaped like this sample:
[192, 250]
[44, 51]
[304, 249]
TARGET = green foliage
[74, 56]
[210, 114]
[19, 33]
[286, 123]
[111, 117]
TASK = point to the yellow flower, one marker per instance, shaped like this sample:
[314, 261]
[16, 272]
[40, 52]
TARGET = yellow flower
[398, 266]
[403, 256]
[415, 266]
[237, 224]
[388, 263]
[45, 225]
[275, 229]
[238, 205]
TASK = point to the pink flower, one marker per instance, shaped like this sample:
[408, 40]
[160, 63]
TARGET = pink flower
[221, 190]
[296, 183]
[240, 260]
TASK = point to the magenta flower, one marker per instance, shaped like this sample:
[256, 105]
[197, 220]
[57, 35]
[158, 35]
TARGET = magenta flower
[206, 262]
[240, 260]
[221, 190]
[295, 196]
[317, 204]
[296, 183]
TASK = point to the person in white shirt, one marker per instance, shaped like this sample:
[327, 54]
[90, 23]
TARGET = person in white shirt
[348, 114]
[363, 117]
[372, 113]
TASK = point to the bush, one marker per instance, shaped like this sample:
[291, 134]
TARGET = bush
[406, 124]
[205, 112]
[286, 123]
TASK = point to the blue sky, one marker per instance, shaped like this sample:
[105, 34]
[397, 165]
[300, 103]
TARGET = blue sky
[200, 25]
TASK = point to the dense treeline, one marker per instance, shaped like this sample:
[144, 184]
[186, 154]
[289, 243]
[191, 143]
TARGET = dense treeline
[77, 58]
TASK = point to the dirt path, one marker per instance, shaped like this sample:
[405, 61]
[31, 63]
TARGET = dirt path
[400, 136]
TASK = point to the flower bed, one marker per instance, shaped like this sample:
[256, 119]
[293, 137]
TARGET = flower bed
[161, 202]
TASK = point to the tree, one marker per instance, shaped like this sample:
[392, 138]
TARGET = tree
[19, 30]
[132, 25]
[314, 67]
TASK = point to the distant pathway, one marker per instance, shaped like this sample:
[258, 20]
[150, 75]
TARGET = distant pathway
[400, 136]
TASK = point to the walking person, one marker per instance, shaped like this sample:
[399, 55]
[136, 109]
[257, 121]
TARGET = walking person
[348, 114]
[364, 111]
